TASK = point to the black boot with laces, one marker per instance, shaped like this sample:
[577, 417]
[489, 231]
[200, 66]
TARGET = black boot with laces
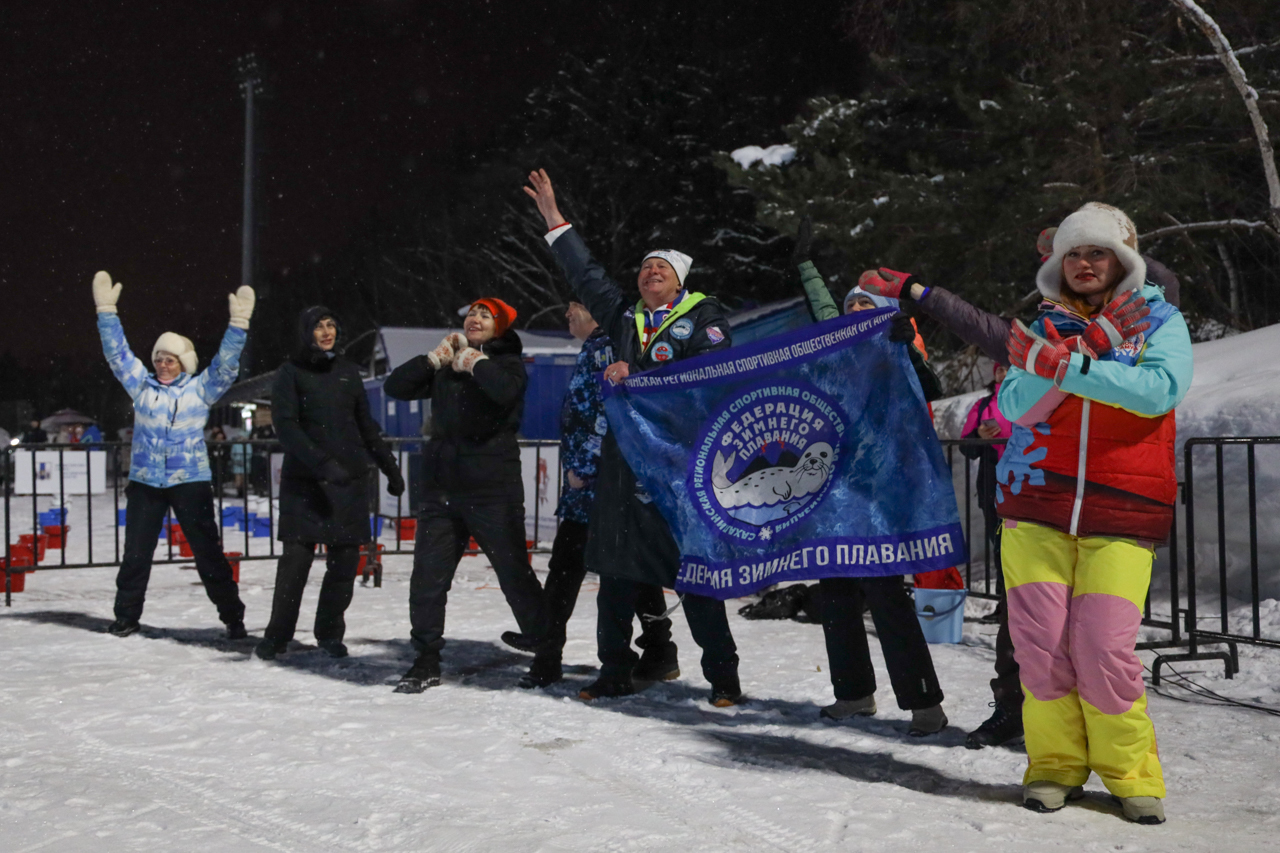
[1004, 726]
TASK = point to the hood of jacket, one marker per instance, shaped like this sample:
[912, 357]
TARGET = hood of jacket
[308, 354]
[507, 343]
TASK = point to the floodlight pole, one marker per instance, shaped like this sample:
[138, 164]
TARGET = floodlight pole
[250, 85]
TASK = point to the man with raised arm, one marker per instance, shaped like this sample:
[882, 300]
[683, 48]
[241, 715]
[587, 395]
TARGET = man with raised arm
[629, 544]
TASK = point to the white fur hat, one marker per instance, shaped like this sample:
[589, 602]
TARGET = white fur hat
[680, 262]
[1094, 224]
[177, 345]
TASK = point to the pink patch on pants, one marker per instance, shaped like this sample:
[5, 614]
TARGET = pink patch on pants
[1103, 631]
[1038, 621]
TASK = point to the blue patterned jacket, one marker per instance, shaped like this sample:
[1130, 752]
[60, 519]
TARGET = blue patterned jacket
[169, 420]
[583, 426]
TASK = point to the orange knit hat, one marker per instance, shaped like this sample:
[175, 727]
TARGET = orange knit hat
[503, 314]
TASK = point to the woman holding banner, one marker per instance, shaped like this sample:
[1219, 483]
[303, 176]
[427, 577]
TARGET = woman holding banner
[472, 486]
[1086, 485]
[629, 543]
[169, 467]
[906, 654]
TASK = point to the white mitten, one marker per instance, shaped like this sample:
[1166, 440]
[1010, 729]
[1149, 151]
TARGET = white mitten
[465, 361]
[442, 355]
[241, 306]
[105, 294]
[458, 341]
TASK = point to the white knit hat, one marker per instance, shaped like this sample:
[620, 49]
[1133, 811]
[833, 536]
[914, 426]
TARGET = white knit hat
[1094, 224]
[178, 346]
[680, 262]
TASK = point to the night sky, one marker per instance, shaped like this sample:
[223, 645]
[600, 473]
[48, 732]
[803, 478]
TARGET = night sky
[124, 125]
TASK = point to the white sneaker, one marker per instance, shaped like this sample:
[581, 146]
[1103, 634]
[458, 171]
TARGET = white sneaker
[1045, 796]
[843, 709]
[927, 721]
[1148, 811]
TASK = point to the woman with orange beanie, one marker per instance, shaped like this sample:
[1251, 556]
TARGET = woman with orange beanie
[475, 380]
[1086, 487]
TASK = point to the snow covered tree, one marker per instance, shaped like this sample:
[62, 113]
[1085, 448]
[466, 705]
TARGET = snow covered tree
[990, 120]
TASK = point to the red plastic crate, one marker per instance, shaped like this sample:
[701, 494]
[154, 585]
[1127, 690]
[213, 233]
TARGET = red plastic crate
[233, 557]
[55, 534]
[17, 581]
[364, 557]
[35, 544]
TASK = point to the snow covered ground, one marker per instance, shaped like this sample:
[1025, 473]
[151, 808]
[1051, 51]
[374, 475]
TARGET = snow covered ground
[175, 739]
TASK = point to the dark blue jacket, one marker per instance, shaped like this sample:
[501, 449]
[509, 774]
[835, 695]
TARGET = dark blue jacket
[583, 427]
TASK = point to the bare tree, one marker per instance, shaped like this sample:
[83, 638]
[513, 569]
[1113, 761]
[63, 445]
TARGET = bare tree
[1231, 62]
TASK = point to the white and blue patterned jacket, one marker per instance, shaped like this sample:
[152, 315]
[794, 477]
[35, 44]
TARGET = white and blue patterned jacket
[169, 420]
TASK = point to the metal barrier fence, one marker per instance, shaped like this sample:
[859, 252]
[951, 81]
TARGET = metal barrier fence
[81, 478]
[1221, 633]
[967, 498]
[67, 471]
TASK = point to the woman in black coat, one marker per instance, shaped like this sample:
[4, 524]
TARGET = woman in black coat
[471, 483]
[322, 418]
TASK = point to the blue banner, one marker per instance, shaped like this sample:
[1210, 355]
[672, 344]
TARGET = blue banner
[806, 455]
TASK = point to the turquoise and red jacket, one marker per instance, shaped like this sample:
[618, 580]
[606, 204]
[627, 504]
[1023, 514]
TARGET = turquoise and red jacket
[1093, 456]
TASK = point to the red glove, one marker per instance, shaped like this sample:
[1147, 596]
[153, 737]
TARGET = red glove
[886, 282]
[1046, 356]
[1119, 321]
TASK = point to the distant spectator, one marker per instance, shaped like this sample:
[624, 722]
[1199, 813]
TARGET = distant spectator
[35, 434]
[91, 435]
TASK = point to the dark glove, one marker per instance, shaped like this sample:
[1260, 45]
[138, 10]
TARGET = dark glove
[900, 329]
[332, 471]
[395, 482]
[804, 242]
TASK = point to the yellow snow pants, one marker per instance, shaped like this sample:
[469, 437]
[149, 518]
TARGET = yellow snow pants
[1075, 606]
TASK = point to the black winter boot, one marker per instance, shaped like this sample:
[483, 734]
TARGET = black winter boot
[123, 627]
[726, 692]
[522, 642]
[607, 686]
[545, 670]
[424, 673]
[267, 648]
[1004, 726]
[658, 663]
[236, 630]
[333, 648]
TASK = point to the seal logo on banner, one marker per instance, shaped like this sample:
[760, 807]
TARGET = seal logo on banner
[766, 459]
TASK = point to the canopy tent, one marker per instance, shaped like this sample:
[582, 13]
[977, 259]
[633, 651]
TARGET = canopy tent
[66, 417]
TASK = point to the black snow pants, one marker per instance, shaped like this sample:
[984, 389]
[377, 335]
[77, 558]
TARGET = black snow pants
[906, 654]
[335, 590]
[616, 605]
[1006, 687]
[444, 527]
[192, 505]
[565, 572]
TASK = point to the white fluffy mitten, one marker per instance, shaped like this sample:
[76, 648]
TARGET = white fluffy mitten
[241, 305]
[465, 361]
[105, 294]
[442, 355]
[458, 341]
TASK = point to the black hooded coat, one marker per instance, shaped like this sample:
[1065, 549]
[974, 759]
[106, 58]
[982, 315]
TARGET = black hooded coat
[473, 453]
[321, 416]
